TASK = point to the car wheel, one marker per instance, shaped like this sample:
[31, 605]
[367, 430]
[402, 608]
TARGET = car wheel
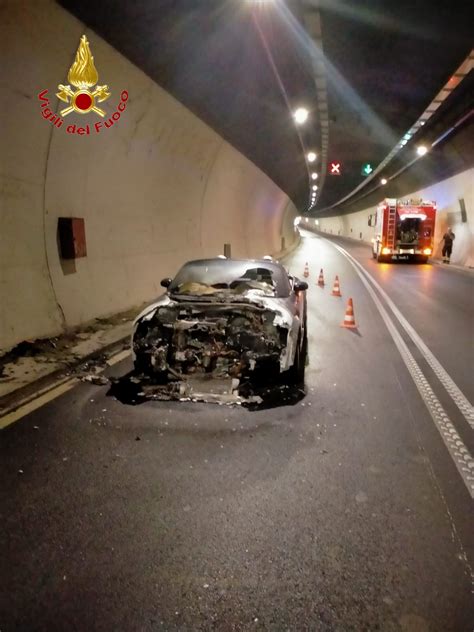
[380, 257]
[296, 372]
[140, 365]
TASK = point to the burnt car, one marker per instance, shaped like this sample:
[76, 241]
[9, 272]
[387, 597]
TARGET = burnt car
[222, 322]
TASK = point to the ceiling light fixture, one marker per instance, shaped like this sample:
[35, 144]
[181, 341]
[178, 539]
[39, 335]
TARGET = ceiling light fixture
[300, 115]
[311, 156]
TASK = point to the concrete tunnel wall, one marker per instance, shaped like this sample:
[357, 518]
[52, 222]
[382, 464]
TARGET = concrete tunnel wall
[446, 194]
[157, 188]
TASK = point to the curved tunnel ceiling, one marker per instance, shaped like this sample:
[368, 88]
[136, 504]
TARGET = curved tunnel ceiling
[243, 65]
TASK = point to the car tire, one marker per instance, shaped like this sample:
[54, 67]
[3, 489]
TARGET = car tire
[296, 372]
[140, 366]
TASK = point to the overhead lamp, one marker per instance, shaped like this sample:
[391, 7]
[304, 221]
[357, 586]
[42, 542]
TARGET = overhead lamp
[311, 156]
[300, 115]
[314, 176]
[383, 181]
[421, 150]
[315, 187]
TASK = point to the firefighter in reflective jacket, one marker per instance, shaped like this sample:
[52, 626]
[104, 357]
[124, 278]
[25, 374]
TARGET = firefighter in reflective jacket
[448, 238]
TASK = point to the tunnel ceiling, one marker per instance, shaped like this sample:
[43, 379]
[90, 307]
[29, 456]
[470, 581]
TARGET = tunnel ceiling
[241, 66]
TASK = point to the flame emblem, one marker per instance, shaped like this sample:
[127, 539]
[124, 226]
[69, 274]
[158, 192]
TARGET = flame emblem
[83, 75]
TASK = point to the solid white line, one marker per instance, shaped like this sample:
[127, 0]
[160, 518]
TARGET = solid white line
[118, 357]
[46, 395]
[453, 442]
[29, 407]
[446, 380]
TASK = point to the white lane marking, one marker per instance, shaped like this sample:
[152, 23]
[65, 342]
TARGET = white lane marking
[121, 355]
[453, 442]
[446, 380]
[46, 395]
[29, 407]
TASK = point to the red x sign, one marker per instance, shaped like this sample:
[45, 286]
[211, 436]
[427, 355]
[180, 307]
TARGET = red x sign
[335, 168]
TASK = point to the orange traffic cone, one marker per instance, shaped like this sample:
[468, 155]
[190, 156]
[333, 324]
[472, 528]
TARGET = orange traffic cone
[306, 270]
[321, 279]
[336, 290]
[349, 320]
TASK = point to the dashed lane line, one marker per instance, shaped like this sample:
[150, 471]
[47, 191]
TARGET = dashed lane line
[453, 442]
[461, 401]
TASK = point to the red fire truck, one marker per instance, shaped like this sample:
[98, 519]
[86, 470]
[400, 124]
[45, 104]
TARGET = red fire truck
[404, 229]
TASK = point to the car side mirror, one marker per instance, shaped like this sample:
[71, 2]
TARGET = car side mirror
[165, 282]
[300, 286]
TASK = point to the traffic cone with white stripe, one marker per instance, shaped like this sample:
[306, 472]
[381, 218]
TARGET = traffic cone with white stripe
[349, 320]
[336, 290]
[306, 270]
[321, 279]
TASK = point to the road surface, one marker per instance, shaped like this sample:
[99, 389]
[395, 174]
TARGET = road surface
[349, 508]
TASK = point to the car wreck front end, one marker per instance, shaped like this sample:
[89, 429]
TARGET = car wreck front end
[209, 338]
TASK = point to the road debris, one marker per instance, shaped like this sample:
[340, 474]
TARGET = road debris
[98, 380]
[258, 394]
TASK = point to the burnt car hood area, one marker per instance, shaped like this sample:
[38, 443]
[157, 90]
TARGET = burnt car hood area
[224, 328]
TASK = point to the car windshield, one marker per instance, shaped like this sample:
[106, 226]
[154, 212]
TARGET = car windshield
[227, 277]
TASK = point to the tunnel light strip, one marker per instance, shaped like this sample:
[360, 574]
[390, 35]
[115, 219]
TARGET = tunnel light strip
[459, 453]
[460, 74]
[443, 136]
[312, 22]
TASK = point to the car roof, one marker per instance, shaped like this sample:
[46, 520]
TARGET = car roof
[264, 262]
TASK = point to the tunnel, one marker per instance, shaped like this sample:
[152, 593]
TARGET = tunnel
[236, 315]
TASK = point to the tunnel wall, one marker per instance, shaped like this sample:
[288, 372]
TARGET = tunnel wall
[155, 189]
[446, 193]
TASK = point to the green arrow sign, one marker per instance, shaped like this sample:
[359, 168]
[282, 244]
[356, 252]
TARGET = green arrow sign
[367, 169]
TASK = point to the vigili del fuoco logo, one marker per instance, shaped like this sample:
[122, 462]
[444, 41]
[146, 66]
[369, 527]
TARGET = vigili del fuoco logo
[83, 76]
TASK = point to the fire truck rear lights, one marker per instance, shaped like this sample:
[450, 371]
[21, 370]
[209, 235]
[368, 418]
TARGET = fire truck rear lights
[427, 251]
[386, 251]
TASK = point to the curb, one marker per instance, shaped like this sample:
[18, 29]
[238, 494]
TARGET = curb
[353, 240]
[45, 383]
[452, 266]
[288, 251]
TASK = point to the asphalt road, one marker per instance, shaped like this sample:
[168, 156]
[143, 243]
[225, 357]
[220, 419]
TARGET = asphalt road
[343, 511]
